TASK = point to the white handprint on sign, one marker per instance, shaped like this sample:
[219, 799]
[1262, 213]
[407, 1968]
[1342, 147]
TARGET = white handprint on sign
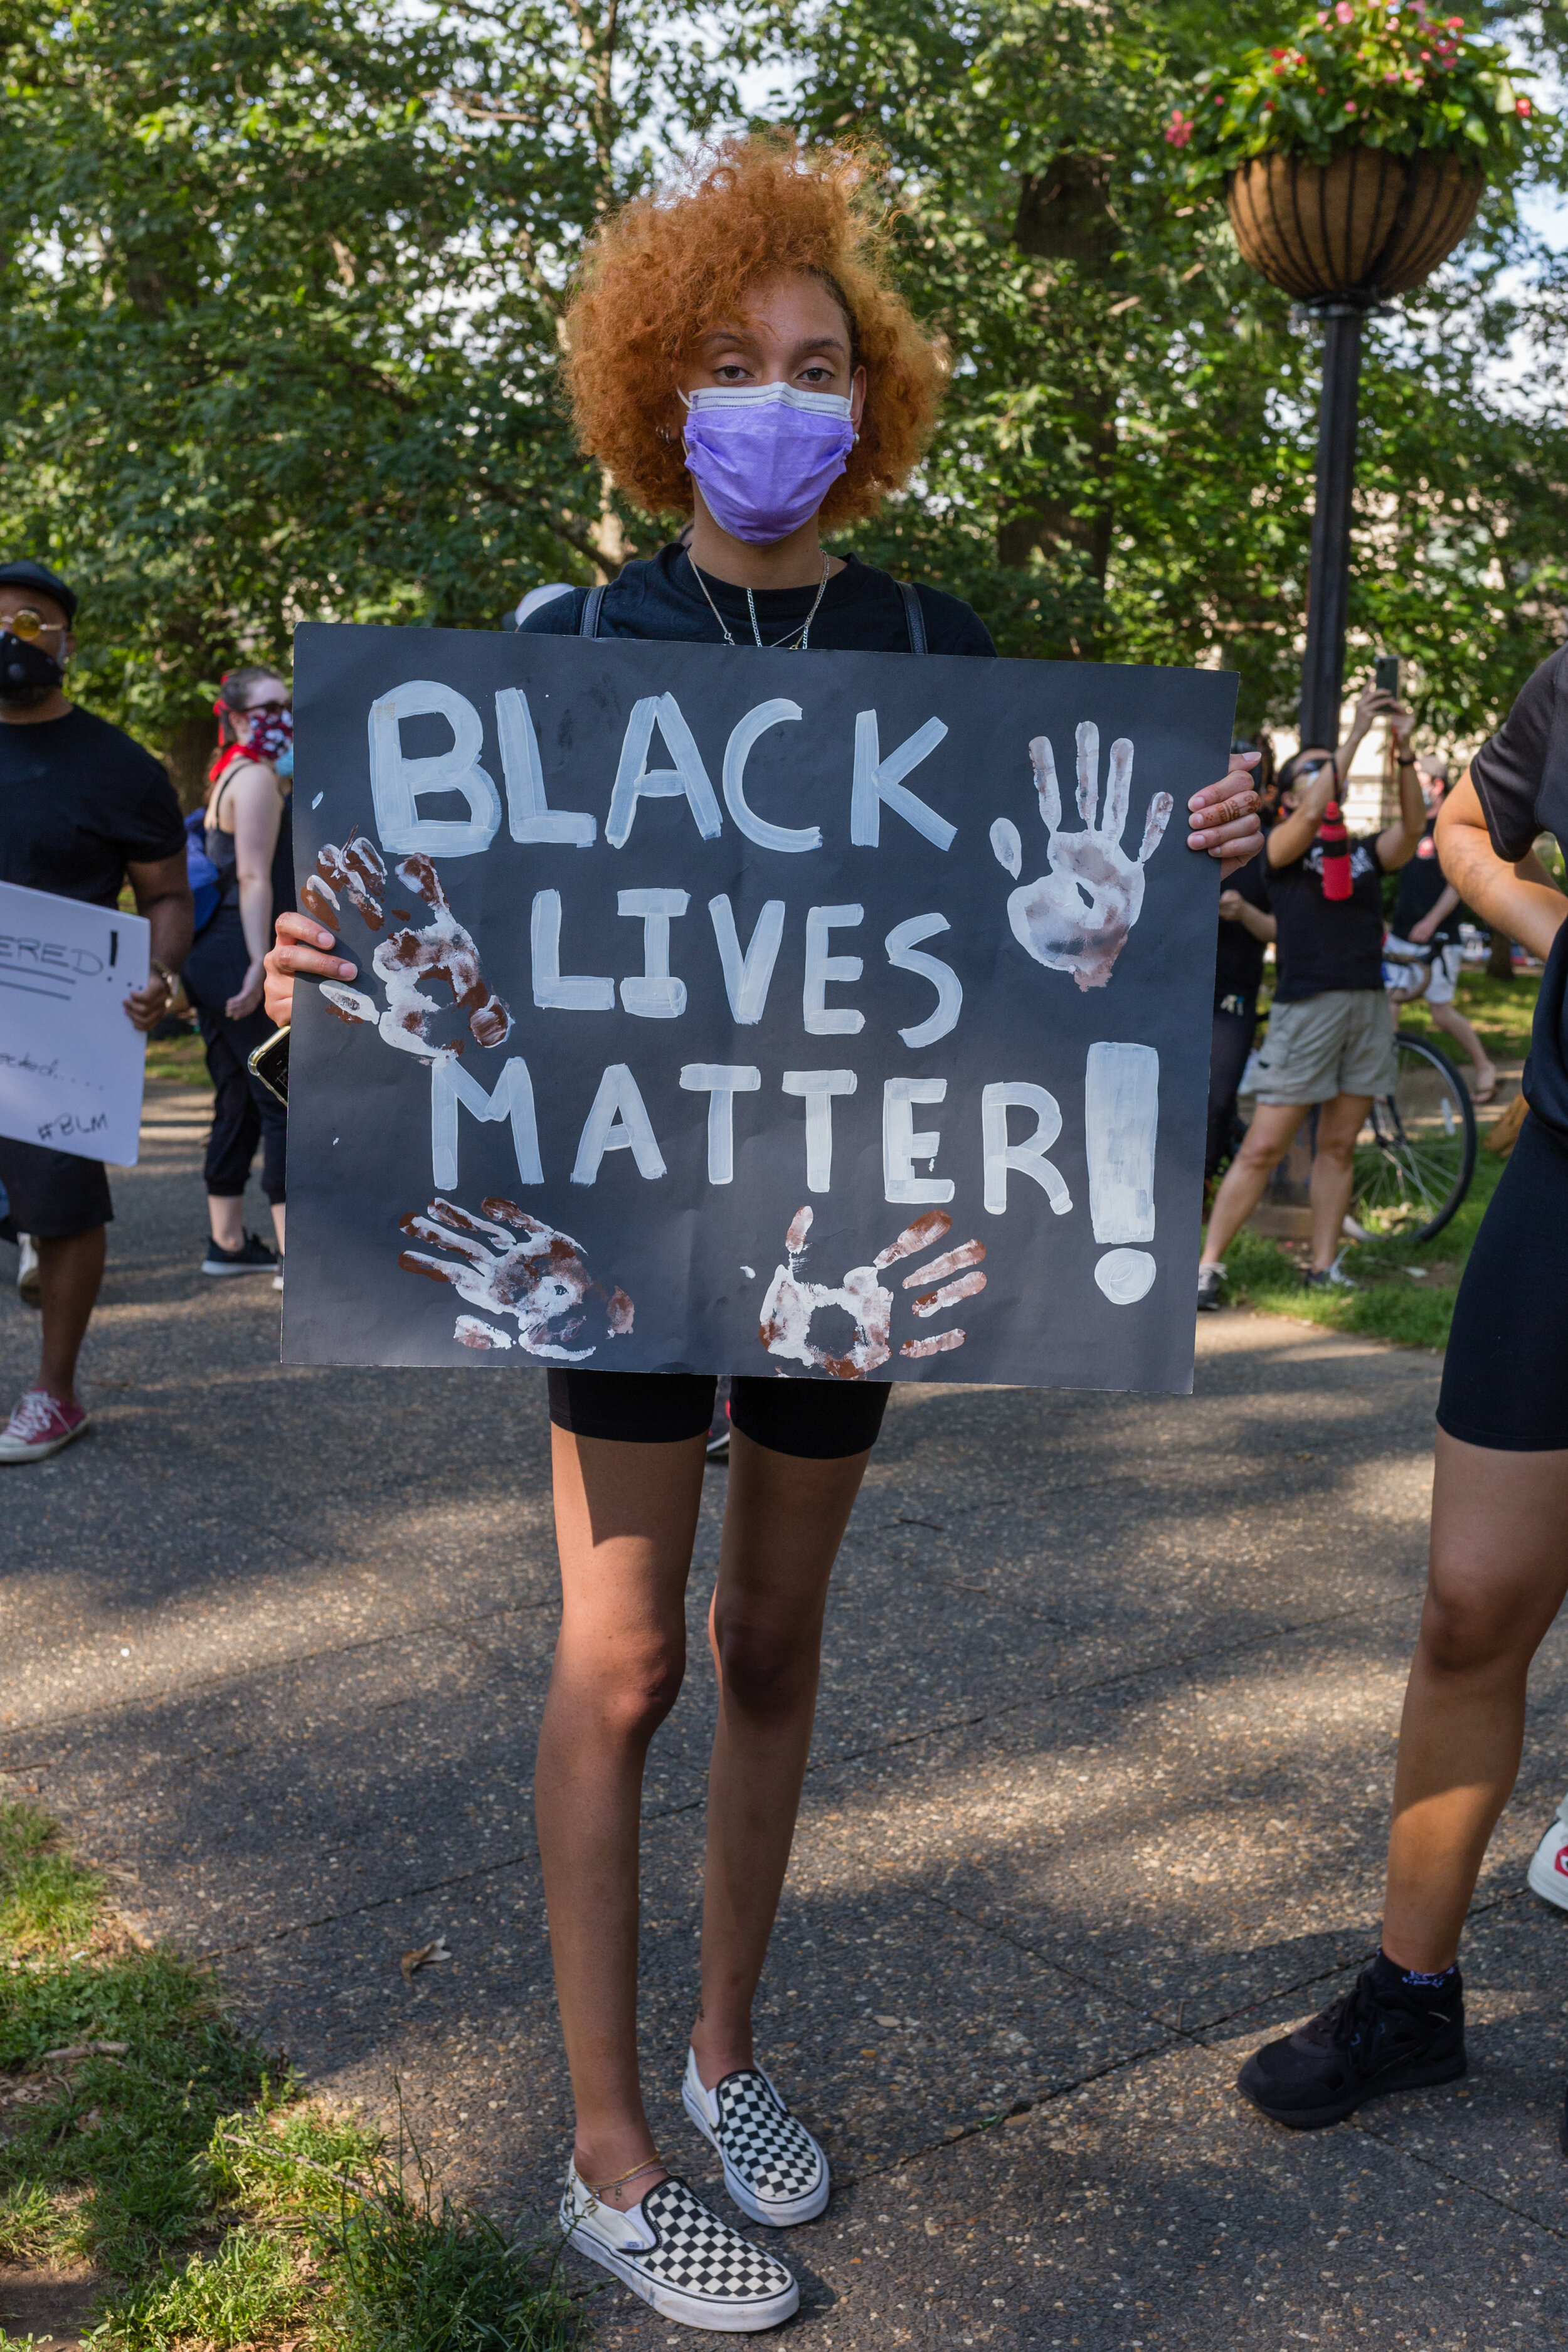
[1076, 918]
[538, 1280]
[784, 1326]
[442, 951]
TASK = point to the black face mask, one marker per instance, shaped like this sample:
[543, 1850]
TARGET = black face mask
[27, 673]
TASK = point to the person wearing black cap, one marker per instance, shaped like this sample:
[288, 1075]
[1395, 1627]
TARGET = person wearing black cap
[82, 810]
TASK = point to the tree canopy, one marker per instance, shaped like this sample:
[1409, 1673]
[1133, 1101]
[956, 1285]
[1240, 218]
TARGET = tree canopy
[283, 286]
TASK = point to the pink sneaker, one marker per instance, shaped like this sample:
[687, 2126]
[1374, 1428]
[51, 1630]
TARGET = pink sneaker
[39, 1425]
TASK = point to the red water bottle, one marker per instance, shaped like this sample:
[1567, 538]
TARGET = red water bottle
[1336, 849]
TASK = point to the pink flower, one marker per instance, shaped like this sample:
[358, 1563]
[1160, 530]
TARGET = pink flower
[1350, 106]
[1179, 129]
[1219, 101]
[1344, 12]
[1522, 107]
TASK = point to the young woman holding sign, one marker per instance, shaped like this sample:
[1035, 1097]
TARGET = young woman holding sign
[736, 351]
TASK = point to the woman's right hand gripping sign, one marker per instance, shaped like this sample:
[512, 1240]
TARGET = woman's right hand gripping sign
[1076, 917]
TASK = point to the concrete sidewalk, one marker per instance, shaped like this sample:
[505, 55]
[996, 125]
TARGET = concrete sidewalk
[1098, 1801]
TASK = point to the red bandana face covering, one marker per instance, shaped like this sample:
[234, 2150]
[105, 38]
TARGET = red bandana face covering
[271, 732]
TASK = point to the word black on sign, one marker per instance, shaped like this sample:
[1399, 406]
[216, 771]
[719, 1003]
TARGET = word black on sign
[845, 1017]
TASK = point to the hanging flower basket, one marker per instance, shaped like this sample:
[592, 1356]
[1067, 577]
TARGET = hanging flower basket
[1353, 157]
[1364, 226]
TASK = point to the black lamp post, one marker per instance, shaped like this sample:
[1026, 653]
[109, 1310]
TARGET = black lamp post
[1344, 238]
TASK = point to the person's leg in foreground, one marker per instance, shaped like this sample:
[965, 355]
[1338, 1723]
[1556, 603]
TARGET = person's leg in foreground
[1264, 1145]
[1333, 1177]
[1498, 1575]
[626, 1516]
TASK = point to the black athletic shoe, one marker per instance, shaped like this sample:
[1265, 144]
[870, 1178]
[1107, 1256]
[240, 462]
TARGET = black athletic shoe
[1374, 2038]
[252, 1256]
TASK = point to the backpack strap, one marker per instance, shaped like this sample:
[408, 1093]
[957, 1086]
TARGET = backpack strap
[588, 626]
[914, 619]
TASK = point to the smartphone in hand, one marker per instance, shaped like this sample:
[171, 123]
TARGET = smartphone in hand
[1386, 674]
[270, 1063]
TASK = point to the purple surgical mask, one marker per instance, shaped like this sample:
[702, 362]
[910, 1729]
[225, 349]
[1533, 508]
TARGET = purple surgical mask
[764, 455]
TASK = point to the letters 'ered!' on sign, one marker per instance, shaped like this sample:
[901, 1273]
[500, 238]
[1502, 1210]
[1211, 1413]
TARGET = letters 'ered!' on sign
[855, 1032]
[71, 1065]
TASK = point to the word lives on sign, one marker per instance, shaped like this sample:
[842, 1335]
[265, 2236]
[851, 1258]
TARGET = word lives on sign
[842, 1017]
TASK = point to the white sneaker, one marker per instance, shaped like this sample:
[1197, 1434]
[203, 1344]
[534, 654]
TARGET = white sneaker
[1549, 1868]
[680, 2258]
[773, 2169]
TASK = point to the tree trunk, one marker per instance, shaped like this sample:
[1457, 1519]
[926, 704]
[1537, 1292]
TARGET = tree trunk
[1064, 215]
[1499, 963]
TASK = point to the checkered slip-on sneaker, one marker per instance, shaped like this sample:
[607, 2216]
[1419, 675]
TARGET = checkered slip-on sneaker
[773, 2168]
[680, 2258]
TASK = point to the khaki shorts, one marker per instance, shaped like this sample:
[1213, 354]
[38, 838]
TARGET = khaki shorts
[1338, 1043]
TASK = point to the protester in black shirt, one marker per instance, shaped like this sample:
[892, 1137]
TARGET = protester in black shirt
[811, 391]
[1331, 1029]
[82, 808]
[1424, 936]
[1499, 1563]
[1245, 927]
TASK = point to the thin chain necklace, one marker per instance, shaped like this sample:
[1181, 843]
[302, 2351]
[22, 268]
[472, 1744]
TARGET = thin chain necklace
[796, 641]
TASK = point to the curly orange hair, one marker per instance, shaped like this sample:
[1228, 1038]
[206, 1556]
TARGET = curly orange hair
[670, 267]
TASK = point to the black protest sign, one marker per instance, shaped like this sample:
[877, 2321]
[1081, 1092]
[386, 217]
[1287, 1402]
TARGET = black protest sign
[834, 1015]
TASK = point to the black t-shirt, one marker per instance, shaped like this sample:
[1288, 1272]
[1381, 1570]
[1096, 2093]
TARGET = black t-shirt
[861, 611]
[1239, 963]
[79, 803]
[1327, 943]
[1421, 883]
[1521, 778]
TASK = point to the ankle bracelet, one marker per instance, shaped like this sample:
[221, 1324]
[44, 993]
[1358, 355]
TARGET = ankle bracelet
[603, 2188]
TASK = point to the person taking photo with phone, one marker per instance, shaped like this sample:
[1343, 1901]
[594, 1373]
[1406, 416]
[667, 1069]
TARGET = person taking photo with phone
[1331, 1028]
[737, 352]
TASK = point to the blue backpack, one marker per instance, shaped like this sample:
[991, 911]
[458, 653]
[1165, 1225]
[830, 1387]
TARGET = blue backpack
[206, 882]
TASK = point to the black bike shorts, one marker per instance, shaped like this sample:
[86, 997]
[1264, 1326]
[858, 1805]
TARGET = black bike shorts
[1505, 1377]
[818, 1420]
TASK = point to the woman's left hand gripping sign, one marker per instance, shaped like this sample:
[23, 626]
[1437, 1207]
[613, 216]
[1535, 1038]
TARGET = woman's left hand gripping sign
[441, 951]
[510, 1263]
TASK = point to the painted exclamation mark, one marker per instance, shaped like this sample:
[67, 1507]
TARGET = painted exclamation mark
[1121, 1119]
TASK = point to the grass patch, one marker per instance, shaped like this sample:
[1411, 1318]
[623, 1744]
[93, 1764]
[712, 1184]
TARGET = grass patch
[1390, 1303]
[142, 2133]
[181, 1058]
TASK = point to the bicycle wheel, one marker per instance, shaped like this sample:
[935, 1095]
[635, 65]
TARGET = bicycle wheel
[1416, 1154]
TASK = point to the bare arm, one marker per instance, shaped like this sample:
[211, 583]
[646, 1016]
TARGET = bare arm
[1235, 908]
[1520, 901]
[255, 812]
[1422, 932]
[1399, 842]
[162, 893]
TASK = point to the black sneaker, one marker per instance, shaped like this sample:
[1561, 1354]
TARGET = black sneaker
[1209, 1280]
[1375, 2038]
[252, 1256]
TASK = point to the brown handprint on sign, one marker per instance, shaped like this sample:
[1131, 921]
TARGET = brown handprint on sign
[540, 1280]
[784, 1326]
[1076, 918]
[443, 950]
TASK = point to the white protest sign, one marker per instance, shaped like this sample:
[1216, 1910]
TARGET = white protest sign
[71, 1065]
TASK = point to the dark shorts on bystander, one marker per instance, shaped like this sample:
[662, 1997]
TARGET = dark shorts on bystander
[52, 1193]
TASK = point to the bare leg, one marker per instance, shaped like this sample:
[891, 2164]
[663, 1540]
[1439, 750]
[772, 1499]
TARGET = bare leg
[1498, 1574]
[280, 1213]
[1333, 1173]
[1448, 1018]
[782, 1525]
[626, 1517]
[1267, 1141]
[70, 1272]
[225, 1217]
